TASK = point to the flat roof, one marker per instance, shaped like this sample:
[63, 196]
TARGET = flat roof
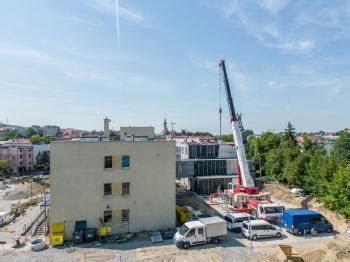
[238, 215]
[299, 212]
[114, 141]
[257, 222]
[211, 220]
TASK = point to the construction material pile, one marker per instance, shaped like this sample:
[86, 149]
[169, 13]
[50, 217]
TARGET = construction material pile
[335, 250]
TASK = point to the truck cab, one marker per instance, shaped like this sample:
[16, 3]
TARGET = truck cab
[210, 229]
[266, 210]
[190, 234]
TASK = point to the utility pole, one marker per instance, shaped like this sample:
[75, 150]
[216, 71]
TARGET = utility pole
[260, 164]
[172, 126]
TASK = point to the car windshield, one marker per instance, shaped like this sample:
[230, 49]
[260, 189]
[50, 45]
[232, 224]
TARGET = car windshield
[272, 210]
[183, 230]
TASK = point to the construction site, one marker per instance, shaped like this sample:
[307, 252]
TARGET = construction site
[198, 198]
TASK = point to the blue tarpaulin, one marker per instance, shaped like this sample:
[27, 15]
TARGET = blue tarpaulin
[46, 202]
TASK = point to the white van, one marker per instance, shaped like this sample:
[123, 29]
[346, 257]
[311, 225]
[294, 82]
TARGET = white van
[260, 228]
[5, 218]
[234, 221]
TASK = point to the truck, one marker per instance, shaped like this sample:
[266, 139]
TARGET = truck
[204, 230]
[18, 208]
[5, 218]
[301, 221]
[266, 210]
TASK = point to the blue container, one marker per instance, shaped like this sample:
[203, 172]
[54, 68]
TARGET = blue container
[300, 221]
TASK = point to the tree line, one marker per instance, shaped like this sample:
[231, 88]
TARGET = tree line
[324, 175]
[29, 133]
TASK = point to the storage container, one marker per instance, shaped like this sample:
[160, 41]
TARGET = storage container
[57, 239]
[90, 234]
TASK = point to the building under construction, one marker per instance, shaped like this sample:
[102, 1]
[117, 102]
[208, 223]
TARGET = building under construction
[206, 166]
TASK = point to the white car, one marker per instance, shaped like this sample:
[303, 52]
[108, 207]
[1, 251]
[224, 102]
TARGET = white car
[37, 244]
[234, 220]
[259, 229]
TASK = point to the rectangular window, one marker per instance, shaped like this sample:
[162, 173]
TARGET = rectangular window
[107, 216]
[107, 189]
[125, 215]
[108, 161]
[20, 156]
[29, 155]
[20, 163]
[125, 161]
[125, 189]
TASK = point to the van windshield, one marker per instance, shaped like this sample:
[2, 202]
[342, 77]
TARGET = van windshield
[245, 225]
[273, 210]
[183, 230]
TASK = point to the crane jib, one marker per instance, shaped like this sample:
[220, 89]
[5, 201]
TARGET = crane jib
[228, 92]
[244, 177]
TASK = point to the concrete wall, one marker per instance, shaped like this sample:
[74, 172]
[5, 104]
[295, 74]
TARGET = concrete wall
[131, 133]
[78, 177]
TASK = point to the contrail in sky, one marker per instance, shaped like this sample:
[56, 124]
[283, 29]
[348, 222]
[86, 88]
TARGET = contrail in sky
[117, 21]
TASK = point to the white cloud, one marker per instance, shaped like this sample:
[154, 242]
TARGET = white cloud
[273, 6]
[108, 7]
[83, 21]
[267, 30]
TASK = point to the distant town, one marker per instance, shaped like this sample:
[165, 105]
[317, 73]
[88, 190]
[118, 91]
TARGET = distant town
[27, 149]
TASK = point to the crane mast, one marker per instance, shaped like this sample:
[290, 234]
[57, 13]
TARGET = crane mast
[245, 180]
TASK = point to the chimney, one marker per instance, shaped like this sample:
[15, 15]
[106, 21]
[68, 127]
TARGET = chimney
[106, 126]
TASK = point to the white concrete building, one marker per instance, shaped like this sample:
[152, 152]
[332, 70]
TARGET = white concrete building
[131, 133]
[129, 185]
[50, 130]
[39, 148]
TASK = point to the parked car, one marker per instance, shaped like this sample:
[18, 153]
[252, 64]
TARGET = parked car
[300, 221]
[5, 218]
[37, 244]
[235, 220]
[204, 230]
[255, 229]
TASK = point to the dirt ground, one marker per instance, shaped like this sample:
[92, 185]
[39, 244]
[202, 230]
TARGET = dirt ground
[283, 193]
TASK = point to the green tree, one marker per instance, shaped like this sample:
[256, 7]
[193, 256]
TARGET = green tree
[35, 140]
[47, 139]
[289, 135]
[338, 197]
[4, 168]
[227, 138]
[341, 149]
[43, 160]
[30, 132]
[274, 163]
[295, 170]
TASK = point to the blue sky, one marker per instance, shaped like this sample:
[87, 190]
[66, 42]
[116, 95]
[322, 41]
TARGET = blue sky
[61, 62]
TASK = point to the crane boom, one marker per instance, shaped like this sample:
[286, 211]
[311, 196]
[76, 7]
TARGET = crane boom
[244, 177]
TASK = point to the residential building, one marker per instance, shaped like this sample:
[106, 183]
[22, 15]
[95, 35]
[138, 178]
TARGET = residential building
[132, 133]
[130, 186]
[50, 130]
[19, 154]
